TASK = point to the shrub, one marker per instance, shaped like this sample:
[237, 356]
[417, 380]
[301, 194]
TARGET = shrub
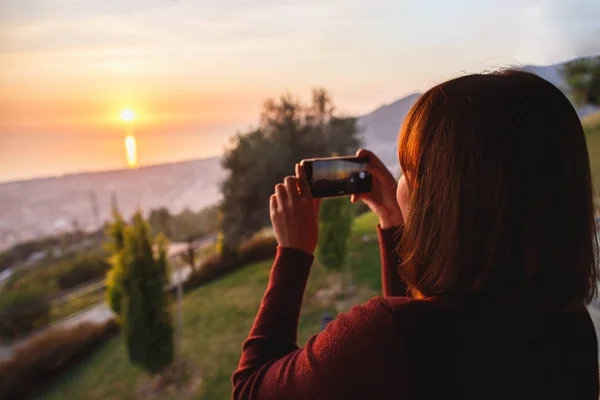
[115, 276]
[336, 216]
[83, 268]
[69, 273]
[144, 309]
[185, 225]
[256, 249]
[46, 358]
[24, 309]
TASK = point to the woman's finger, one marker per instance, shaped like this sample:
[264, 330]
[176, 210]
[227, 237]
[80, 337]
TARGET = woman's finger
[382, 176]
[375, 166]
[281, 195]
[273, 203]
[374, 160]
[291, 187]
[302, 181]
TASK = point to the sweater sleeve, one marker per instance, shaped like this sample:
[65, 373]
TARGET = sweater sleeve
[357, 356]
[392, 284]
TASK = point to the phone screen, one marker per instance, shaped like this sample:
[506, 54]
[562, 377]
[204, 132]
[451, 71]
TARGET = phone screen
[338, 176]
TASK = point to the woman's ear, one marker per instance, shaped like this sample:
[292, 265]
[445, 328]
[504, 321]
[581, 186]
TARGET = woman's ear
[403, 197]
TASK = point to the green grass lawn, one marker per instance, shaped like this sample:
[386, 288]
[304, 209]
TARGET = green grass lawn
[217, 318]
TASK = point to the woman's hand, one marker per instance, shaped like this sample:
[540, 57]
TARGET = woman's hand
[382, 199]
[295, 214]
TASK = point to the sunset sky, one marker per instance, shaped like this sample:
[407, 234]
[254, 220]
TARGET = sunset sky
[197, 71]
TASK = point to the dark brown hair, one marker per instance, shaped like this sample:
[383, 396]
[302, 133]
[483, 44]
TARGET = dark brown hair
[501, 192]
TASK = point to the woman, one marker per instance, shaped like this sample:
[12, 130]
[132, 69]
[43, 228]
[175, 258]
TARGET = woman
[488, 259]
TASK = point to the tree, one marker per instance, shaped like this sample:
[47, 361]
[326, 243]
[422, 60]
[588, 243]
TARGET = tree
[144, 303]
[335, 220]
[259, 159]
[583, 77]
[161, 221]
[116, 274]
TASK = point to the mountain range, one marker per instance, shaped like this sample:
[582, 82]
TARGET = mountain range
[40, 207]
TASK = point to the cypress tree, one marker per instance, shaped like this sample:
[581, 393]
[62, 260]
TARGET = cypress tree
[144, 304]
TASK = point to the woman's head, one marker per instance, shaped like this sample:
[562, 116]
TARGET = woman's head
[497, 177]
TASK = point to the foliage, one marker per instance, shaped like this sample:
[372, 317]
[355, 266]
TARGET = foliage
[217, 319]
[583, 77]
[335, 217]
[144, 303]
[115, 276]
[259, 159]
[67, 347]
[256, 249]
[25, 301]
[65, 242]
[66, 274]
[187, 224]
[161, 221]
[82, 269]
[46, 358]
[24, 310]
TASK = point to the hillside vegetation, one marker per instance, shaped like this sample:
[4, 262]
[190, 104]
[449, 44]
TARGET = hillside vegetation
[217, 318]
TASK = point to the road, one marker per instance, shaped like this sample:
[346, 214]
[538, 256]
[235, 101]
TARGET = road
[100, 313]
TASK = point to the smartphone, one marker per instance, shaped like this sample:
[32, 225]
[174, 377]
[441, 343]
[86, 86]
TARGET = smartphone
[338, 176]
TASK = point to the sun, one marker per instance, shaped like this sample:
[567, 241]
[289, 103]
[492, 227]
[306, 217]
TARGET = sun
[127, 114]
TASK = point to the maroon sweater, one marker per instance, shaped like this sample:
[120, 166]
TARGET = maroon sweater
[396, 347]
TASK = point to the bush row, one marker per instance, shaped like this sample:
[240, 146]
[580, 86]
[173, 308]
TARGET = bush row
[69, 273]
[44, 359]
[25, 303]
[24, 309]
[256, 249]
[16, 321]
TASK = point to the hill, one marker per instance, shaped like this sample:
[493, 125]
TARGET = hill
[40, 207]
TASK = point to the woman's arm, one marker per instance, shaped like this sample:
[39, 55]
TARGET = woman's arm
[274, 332]
[359, 355]
[391, 282]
